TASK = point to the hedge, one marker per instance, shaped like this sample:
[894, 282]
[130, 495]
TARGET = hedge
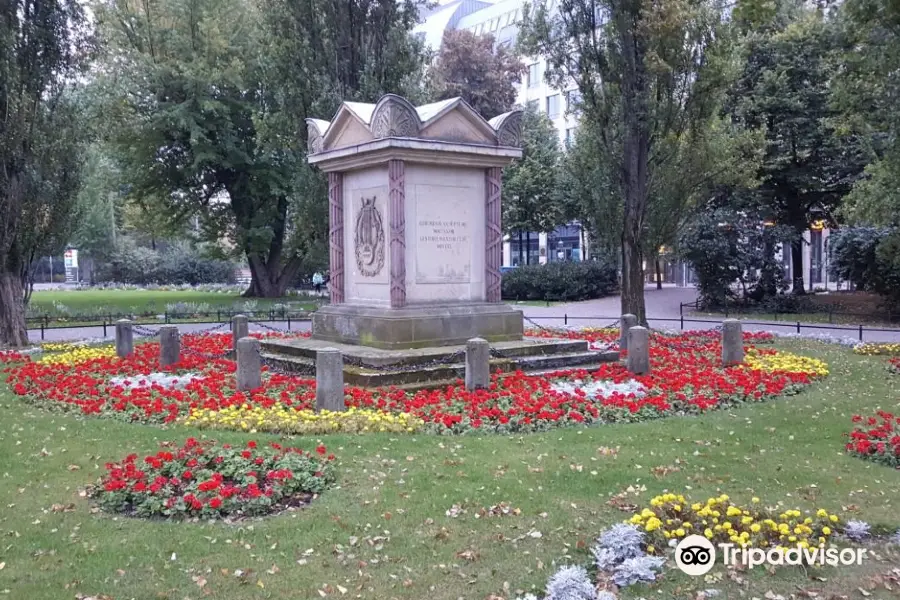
[561, 281]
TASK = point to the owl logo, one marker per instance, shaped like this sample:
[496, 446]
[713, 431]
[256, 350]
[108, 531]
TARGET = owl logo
[369, 239]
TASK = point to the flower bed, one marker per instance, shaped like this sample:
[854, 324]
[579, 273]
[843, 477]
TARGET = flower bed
[877, 349]
[894, 365]
[636, 552]
[876, 438]
[202, 479]
[686, 378]
[673, 517]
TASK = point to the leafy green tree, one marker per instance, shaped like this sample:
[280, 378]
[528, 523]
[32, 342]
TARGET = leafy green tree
[473, 68]
[646, 71]
[532, 199]
[865, 89]
[43, 44]
[809, 166]
[215, 96]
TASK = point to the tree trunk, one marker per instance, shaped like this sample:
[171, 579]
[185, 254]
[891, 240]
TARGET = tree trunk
[635, 159]
[797, 267]
[658, 274]
[528, 247]
[12, 310]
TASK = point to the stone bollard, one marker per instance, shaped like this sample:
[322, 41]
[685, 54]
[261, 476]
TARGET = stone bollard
[478, 368]
[169, 345]
[732, 342]
[625, 323]
[638, 361]
[124, 338]
[249, 365]
[330, 380]
[239, 328]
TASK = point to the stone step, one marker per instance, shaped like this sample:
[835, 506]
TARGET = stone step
[425, 376]
[363, 357]
[564, 361]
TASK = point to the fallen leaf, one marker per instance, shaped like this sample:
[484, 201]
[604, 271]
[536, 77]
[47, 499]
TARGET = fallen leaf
[469, 555]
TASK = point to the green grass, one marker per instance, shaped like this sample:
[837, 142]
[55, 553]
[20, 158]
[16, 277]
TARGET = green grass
[148, 302]
[393, 494]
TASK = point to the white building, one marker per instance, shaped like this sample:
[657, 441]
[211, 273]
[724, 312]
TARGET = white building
[501, 19]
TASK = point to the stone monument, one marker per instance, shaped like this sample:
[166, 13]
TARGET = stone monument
[415, 248]
[414, 217]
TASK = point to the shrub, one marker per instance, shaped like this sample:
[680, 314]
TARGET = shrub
[565, 281]
[178, 265]
[788, 303]
[852, 255]
[887, 257]
[733, 251]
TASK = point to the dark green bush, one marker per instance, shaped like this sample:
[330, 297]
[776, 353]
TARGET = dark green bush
[177, 265]
[561, 281]
[789, 304]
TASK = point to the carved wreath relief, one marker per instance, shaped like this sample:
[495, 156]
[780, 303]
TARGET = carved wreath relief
[369, 239]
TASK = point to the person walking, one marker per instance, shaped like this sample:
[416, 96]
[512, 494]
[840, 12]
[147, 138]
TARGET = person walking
[318, 280]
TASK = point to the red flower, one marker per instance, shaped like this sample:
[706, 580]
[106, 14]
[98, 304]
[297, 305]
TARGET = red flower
[215, 503]
[321, 449]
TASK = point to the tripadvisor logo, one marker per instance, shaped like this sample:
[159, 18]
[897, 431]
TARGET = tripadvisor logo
[696, 555]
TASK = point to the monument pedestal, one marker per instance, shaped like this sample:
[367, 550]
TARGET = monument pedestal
[416, 326]
[415, 247]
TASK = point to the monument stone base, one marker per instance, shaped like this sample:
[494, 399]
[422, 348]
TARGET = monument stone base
[416, 327]
[432, 367]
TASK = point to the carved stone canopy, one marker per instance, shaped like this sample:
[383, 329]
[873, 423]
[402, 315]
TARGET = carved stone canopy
[392, 116]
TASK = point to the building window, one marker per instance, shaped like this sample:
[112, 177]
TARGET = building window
[553, 106]
[533, 105]
[573, 101]
[570, 136]
[534, 74]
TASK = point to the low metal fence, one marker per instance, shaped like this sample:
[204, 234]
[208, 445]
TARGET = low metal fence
[43, 323]
[728, 311]
[798, 326]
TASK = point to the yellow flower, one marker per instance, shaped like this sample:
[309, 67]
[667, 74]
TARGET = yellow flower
[755, 528]
[826, 530]
[754, 500]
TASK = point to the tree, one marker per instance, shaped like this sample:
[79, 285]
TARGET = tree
[477, 70]
[531, 193]
[808, 165]
[42, 47]
[215, 100]
[727, 247]
[865, 90]
[646, 71]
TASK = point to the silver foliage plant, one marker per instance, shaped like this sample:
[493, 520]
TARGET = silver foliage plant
[619, 542]
[639, 569]
[619, 553]
[857, 530]
[571, 583]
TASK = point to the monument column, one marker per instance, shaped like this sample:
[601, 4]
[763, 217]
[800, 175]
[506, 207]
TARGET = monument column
[336, 235]
[493, 235]
[397, 218]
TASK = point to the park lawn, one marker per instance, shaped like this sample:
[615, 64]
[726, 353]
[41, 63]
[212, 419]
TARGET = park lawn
[384, 532]
[150, 302]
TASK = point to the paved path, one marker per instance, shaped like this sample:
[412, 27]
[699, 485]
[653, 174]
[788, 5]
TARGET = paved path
[663, 310]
